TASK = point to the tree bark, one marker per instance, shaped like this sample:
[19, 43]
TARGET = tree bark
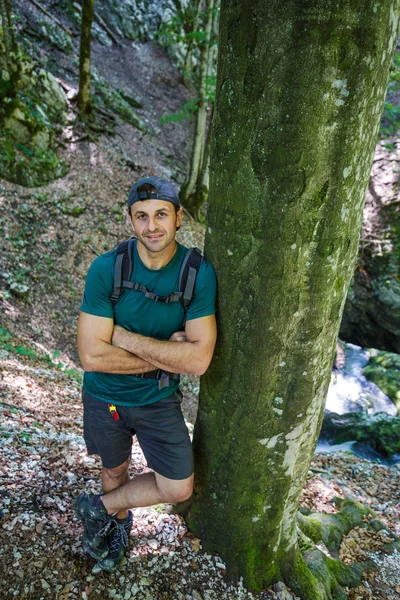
[84, 57]
[300, 93]
[10, 68]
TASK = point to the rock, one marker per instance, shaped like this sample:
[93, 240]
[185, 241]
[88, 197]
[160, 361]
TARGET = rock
[282, 591]
[371, 315]
[39, 527]
[51, 93]
[196, 595]
[380, 430]
[383, 369]
[19, 289]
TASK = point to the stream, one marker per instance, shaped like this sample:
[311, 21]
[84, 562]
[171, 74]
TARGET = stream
[351, 391]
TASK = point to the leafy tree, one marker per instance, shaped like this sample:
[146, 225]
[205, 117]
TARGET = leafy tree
[84, 57]
[194, 190]
[196, 27]
[300, 93]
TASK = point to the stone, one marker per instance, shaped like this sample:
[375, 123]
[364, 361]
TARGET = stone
[19, 289]
[379, 430]
[50, 92]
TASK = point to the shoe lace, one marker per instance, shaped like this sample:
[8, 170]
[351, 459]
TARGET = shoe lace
[120, 536]
[104, 530]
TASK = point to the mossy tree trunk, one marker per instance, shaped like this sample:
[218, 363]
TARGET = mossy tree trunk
[10, 67]
[187, 193]
[84, 57]
[300, 93]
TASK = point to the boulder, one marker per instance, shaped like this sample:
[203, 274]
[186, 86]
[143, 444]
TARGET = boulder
[380, 430]
[371, 316]
[51, 94]
[383, 369]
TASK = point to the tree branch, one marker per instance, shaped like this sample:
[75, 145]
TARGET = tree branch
[46, 12]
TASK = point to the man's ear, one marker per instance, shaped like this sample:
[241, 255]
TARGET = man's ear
[179, 215]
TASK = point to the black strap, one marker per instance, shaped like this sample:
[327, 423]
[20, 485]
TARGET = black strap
[187, 276]
[122, 268]
[138, 287]
[187, 279]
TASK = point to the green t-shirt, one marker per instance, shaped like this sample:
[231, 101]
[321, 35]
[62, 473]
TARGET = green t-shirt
[142, 315]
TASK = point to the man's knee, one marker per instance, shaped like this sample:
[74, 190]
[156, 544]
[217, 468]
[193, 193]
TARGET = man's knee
[172, 490]
[117, 472]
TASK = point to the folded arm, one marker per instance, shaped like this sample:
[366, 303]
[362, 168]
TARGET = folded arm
[98, 354]
[193, 355]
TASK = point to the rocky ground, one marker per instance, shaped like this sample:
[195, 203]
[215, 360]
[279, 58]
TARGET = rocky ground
[45, 465]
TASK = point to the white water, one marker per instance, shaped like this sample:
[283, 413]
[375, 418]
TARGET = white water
[350, 391]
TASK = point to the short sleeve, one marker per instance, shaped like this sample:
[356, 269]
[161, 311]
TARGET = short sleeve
[205, 293]
[98, 289]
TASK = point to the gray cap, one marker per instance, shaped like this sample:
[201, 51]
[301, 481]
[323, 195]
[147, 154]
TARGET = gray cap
[164, 191]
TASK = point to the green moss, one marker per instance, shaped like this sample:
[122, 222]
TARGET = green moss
[28, 166]
[303, 581]
[116, 101]
[55, 36]
[384, 370]
[330, 528]
[29, 123]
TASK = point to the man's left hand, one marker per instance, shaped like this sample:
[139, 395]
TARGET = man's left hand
[178, 336]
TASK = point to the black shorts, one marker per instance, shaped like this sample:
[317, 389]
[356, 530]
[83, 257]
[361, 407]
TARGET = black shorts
[159, 427]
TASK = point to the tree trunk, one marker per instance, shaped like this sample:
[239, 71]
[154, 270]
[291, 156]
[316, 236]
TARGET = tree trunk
[187, 67]
[300, 93]
[10, 68]
[197, 153]
[84, 57]
[200, 194]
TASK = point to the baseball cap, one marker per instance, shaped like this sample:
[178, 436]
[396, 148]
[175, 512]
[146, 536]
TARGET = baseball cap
[164, 191]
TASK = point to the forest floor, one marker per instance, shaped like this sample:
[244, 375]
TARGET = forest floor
[45, 465]
[50, 236]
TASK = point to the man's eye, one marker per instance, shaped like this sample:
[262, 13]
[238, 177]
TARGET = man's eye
[162, 214]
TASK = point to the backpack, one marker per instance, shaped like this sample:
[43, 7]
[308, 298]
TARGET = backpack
[187, 277]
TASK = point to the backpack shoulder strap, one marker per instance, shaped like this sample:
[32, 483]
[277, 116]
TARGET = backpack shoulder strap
[123, 267]
[187, 277]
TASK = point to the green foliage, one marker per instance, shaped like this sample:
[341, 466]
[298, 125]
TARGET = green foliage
[9, 343]
[117, 101]
[28, 166]
[186, 112]
[384, 370]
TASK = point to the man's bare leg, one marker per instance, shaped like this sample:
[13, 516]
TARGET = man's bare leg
[113, 478]
[146, 490]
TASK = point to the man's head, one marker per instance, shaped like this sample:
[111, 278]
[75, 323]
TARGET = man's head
[151, 188]
[155, 212]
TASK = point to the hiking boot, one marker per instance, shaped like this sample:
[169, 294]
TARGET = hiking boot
[118, 541]
[97, 523]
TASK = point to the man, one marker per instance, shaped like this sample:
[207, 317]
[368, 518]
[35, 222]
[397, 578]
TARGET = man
[124, 347]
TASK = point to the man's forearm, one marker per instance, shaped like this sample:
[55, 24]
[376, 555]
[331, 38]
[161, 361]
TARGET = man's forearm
[175, 357]
[111, 359]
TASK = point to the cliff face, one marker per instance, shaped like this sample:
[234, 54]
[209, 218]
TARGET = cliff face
[372, 311]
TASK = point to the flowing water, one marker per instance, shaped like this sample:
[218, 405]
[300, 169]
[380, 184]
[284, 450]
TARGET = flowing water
[350, 391]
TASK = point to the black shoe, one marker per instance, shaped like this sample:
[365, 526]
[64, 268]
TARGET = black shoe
[97, 523]
[118, 541]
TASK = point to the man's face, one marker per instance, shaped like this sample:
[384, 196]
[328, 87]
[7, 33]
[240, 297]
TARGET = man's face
[154, 223]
